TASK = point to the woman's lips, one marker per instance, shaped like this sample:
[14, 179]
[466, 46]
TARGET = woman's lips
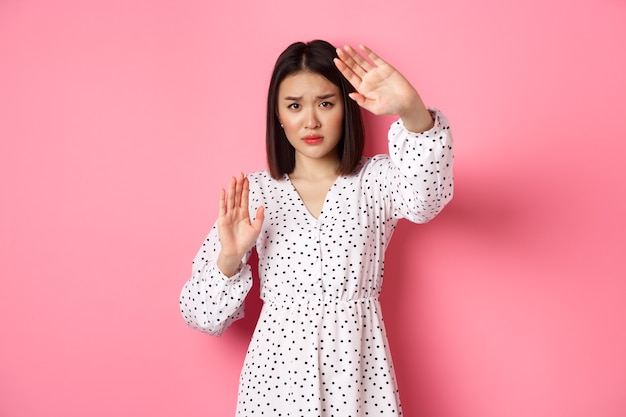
[313, 139]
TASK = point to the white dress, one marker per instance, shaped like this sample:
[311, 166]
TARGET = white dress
[319, 347]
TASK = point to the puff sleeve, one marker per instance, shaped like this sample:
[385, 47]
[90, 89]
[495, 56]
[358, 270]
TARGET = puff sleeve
[419, 177]
[210, 301]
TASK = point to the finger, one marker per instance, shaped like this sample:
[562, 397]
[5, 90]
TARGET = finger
[362, 62]
[238, 190]
[230, 196]
[360, 99]
[375, 58]
[222, 205]
[343, 68]
[244, 194]
[346, 55]
[259, 217]
[348, 74]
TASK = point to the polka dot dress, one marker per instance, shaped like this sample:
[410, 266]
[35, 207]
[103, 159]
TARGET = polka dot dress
[319, 347]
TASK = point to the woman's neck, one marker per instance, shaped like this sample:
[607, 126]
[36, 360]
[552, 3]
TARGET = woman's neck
[316, 169]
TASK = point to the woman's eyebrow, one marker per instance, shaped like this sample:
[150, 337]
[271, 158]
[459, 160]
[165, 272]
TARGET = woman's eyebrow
[322, 97]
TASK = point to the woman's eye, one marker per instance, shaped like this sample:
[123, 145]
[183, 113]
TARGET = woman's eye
[294, 106]
[326, 104]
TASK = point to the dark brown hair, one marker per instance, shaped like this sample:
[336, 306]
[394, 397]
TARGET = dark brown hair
[317, 57]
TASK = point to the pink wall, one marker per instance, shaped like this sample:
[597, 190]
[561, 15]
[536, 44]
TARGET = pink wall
[120, 120]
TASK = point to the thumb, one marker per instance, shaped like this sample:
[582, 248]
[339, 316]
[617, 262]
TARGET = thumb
[359, 98]
[259, 217]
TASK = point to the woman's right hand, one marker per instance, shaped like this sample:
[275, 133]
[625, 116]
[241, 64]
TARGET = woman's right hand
[237, 233]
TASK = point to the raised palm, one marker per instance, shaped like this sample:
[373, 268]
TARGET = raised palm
[237, 233]
[381, 89]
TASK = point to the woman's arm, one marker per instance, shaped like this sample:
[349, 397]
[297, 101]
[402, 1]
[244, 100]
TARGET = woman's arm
[211, 301]
[417, 175]
[214, 296]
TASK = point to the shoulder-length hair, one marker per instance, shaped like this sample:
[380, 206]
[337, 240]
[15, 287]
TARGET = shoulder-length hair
[317, 57]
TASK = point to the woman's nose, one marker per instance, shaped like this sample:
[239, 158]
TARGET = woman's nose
[312, 121]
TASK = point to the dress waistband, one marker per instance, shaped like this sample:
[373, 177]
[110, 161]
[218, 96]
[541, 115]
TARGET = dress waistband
[316, 302]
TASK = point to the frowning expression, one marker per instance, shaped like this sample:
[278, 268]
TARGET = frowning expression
[310, 110]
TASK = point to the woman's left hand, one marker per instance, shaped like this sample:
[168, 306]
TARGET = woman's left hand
[381, 89]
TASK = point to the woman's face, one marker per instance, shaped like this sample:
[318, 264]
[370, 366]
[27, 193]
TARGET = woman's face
[310, 109]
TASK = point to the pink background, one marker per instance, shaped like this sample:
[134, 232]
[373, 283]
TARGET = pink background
[120, 120]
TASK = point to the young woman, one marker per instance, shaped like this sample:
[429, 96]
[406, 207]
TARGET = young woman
[322, 218]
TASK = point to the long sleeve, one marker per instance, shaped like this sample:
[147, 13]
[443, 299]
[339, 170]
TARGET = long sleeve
[209, 300]
[419, 178]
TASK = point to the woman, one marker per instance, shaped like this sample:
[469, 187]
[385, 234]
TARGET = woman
[323, 216]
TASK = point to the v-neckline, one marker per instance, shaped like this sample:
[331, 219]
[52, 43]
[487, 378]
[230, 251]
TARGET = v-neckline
[304, 206]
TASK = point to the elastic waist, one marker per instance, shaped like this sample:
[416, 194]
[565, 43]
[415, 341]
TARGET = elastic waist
[305, 302]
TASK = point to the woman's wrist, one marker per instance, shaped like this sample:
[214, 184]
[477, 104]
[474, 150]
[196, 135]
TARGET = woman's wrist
[417, 118]
[228, 265]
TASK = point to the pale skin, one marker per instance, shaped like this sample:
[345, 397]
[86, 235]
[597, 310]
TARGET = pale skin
[381, 90]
